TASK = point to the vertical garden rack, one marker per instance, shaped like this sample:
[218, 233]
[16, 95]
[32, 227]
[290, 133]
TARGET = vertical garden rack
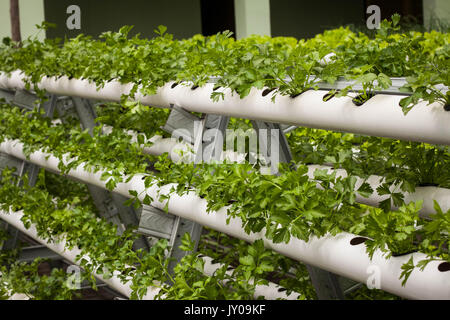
[379, 116]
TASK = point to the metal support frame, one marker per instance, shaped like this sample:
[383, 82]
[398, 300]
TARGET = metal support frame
[7, 95]
[28, 254]
[106, 206]
[181, 124]
[110, 205]
[206, 135]
[152, 221]
[327, 285]
[157, 223]
[268, 134]
[213, 138]
[27, 101]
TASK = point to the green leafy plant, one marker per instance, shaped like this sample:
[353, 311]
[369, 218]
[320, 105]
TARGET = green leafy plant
[287, 206]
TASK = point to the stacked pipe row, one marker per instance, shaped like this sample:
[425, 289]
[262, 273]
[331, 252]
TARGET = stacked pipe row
[379, 116]
[178, 151]
[338, 254]
[270, 291]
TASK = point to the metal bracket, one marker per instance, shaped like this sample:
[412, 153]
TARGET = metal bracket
[213, 136]
[66, 109]
[85, 113]
[206, 135]
[326, 284]
[7, 95]
[156, 223]
[183, 226]
[13, 240]
[181, 124]
[272, 139]
[29, 254]
[9, 161]
[25, 99]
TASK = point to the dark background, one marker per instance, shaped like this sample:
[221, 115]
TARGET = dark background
[184, 18]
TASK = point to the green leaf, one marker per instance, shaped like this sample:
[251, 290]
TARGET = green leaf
[365, 190]
[247, 261]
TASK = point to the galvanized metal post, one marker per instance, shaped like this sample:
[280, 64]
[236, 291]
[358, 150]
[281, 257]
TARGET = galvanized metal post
[110, 205]
[326, 284]
[192, 129]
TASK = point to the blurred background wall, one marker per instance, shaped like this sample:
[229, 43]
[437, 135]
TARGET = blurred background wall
[184, 18]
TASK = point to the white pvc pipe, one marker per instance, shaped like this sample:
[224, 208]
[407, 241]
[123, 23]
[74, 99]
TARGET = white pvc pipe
[332, 253]
[19, 296]
[380, 116]
[270, 291]
[113, 90]
[426, 194]
[14, 219]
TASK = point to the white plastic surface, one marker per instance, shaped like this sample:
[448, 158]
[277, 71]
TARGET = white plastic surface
[380, 116]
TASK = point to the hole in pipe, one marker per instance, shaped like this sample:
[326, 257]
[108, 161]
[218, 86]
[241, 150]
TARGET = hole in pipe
[328, 96]
[281, 289]
[362, 98]
[174, 85]
[444, 266]
[267, 91]
[358, 240]
[399, 254]
[428, 184]
[447, 107]
[217, 88]
[194, 87]
[297, 94]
